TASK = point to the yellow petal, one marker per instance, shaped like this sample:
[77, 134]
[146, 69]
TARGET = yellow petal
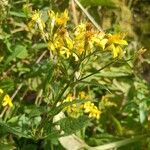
[121, 42]
[10, 103]
[7, 101]
[1, 91]
[75, 56]
[4, 104]
[103, 43]
[69, 42]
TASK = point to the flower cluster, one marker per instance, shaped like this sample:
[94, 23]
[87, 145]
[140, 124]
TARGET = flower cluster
[6, 100]
[78, 42]
[78, 109]
[92, 110]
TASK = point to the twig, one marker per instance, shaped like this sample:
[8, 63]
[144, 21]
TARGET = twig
[39, 59]
[74, 12]
[17, 90]
[88, 15]
[18, 30]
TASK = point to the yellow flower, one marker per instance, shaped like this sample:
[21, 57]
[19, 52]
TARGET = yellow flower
[74, 109]
[99, 40]
[117, 39]
[82, 95]
[79, 46]
[75, 56]
[115, 43]
[69, 42]
[65, 52]
[1, 91]
[59, 19]
[69, 98]
[7, 101]
[63, 18]
[93, 111]
[36, 18]
[87, 106]
[56, 43]
[80, 31]
[116, 51]
[36, 15]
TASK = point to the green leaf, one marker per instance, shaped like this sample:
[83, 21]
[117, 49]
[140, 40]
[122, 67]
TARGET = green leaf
[143, 111]
[49, 76]
[117, 125]
[39, 69]
[38, 46]
[34, 110]
[131, 92]
[7, 84]
[17, 14]
[71, 125]
[14, 130]
[20, 51]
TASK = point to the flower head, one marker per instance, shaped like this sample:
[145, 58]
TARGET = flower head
[86, 107]
[92, 110]
[63, 18]
[7, 101]
[117, 39]
[81, 41]
[37, 20]
[115, 43]
[59, 19]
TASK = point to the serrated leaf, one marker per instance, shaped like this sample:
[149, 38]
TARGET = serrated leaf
[71, 125]
[20, 51]
[14, 130]
[34, 110]
[38, 69]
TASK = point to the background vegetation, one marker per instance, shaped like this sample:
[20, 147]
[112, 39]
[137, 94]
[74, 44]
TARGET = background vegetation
[120, 90]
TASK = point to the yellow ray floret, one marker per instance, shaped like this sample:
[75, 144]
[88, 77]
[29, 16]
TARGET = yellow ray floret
[6, 99]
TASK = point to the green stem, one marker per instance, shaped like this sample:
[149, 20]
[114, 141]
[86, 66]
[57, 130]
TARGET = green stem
[97, 71]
